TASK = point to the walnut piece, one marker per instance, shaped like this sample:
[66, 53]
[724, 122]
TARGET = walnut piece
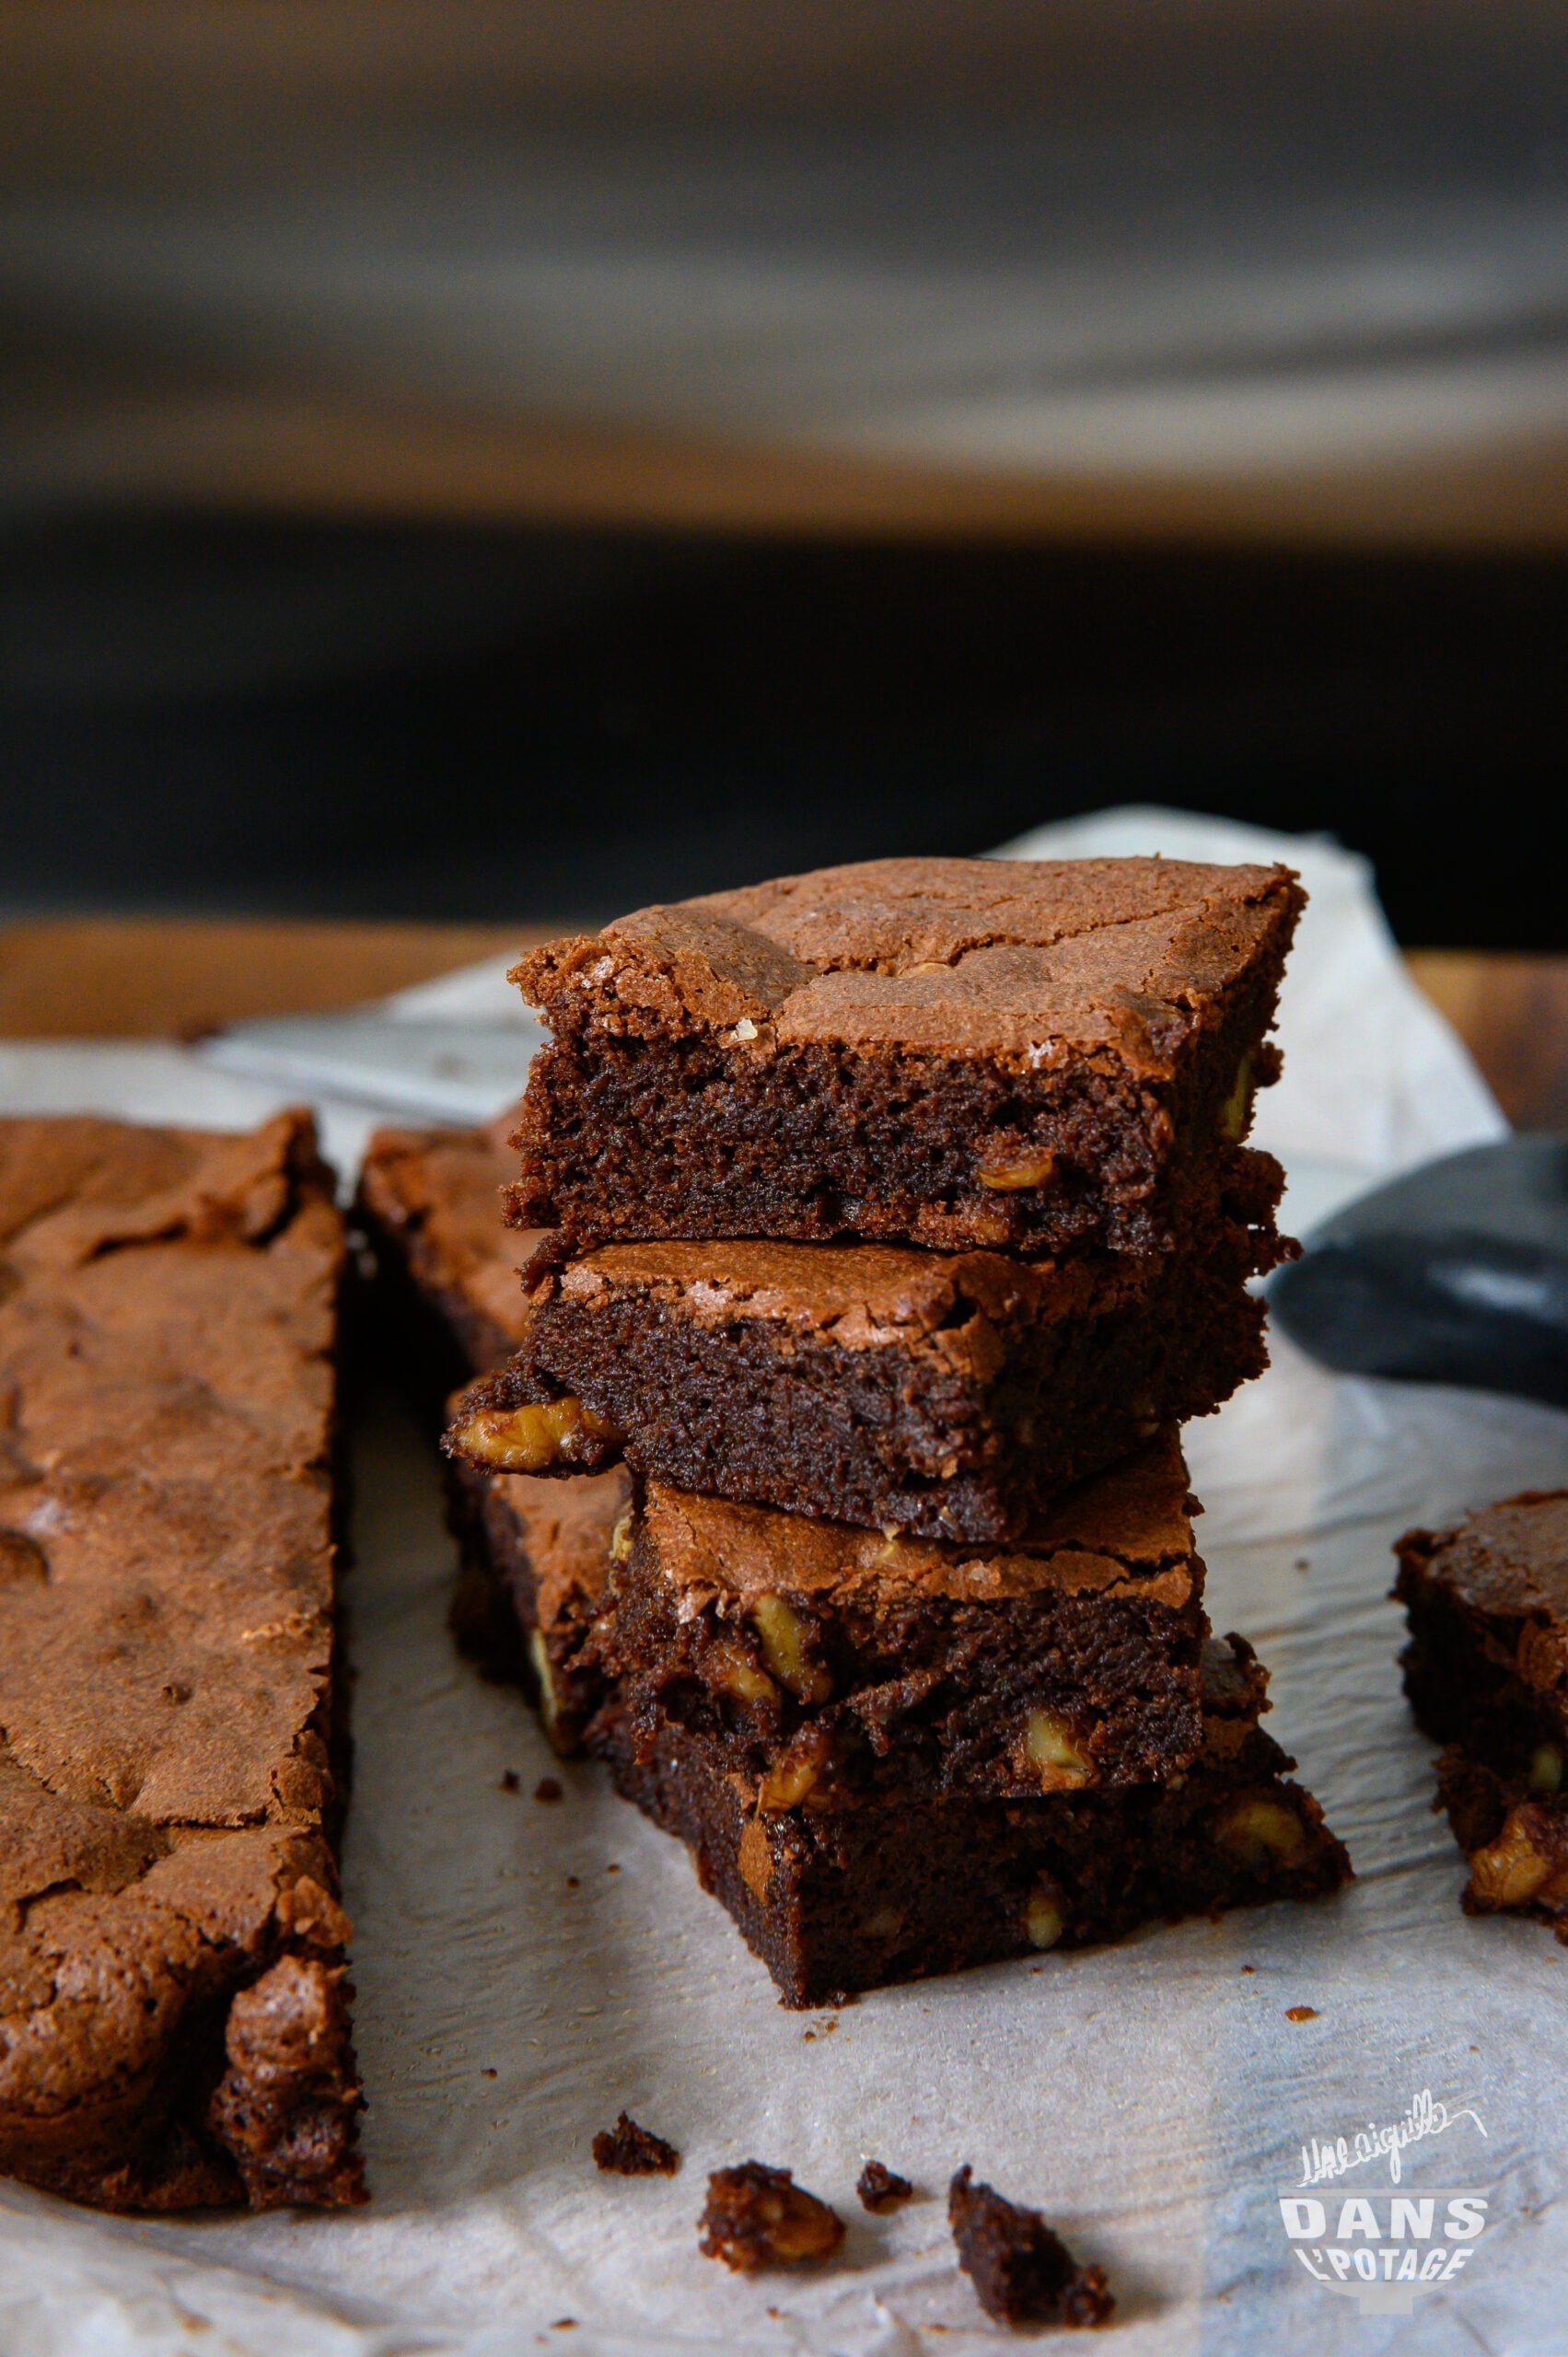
[533, 1438]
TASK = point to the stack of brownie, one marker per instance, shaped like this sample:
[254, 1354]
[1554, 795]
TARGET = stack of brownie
[895, 1217]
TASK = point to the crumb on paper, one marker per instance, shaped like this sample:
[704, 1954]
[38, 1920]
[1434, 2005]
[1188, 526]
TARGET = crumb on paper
[488, 2072]
[1021, 2269]
[574, 1882]
[881, 2189]
[548, 1788]
[758, 2217]
[510, 1780]
[627, 2149]
[1301, 2012]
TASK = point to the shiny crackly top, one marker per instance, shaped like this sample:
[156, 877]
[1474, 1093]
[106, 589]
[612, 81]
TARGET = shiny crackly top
[1032, 960]
[1125, 1532]
[1510, 1559]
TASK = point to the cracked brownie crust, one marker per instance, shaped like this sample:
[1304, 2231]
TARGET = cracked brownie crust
[950, 1394]
[824, 1664]
[1035, 1055]
[173, 2011]
[844, 1900]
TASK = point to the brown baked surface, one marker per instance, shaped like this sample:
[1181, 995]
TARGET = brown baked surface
[843, 1900]
[834, 1663]
[1031, 1055]
[173, 2014]
[949, 1393]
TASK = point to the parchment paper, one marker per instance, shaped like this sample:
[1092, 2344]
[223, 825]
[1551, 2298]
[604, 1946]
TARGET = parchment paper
[1153, 2098]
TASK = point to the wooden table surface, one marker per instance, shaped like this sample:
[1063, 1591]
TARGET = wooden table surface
[132, 978]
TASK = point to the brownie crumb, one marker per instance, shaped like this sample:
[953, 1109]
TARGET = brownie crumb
[1022, 2272]
[1301, 2012]
[627, 2149]
[758, 2217]
[881, 2189]
[488, 2073]
[510, 1780]
[574, 1882]
[548, 1789]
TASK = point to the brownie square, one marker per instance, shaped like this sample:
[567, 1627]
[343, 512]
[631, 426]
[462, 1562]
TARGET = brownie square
[1030, 1055]
[897, 1889]
[953, 1395]
[823, 1662]
[173, 2007]
[1486, 1673]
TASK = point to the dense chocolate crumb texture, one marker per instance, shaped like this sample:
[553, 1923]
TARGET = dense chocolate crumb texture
[826, 1663]
[173, 2007]
[1486, 1672]
[837, 1900]
[881, 2189]
[950, 1394]
[757, 2217]
[1022, 2272]
[1035, 1055]
[627, 2149]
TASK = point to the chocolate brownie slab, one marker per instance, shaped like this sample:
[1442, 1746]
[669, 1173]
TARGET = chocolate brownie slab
[1486, 1672]
[173, 2007]
[848, 1899]
[1035, 1055]
[824, 1662]
[951, 1395]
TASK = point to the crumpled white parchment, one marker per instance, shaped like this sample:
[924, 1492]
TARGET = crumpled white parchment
[526, 1971]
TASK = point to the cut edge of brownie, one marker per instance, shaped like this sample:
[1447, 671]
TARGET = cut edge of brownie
[966, 1115]
[756, 1373]
[858, 1899]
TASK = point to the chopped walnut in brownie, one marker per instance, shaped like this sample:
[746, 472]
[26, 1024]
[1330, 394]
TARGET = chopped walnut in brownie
[1022, 2272]
[758, 2217]
[881, 2189]
[627, 2149]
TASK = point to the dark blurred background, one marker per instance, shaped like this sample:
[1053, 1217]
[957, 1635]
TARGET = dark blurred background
[486, 464]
